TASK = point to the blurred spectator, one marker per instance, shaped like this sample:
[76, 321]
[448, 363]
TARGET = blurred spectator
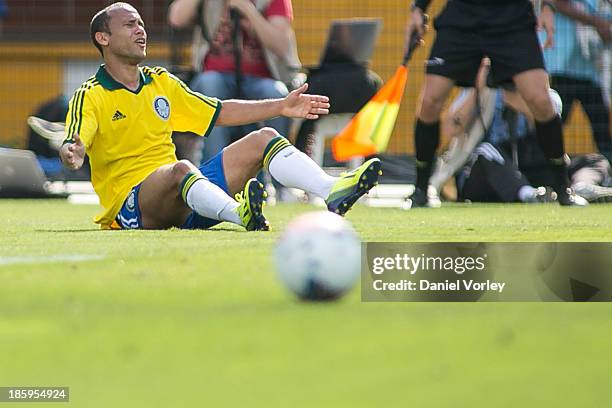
[46, 150]
[3, 13]
[263, 45]
[582, 36]
[348, 86]
[53, 110]
[45, 138]
[342, 76]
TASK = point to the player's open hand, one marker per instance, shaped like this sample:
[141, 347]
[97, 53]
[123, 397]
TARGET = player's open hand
[73, 154]
[301, 105]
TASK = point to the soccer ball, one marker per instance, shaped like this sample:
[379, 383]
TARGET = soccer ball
[318, 257]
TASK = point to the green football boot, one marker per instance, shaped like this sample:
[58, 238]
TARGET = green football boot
[250, 210]
[352, 185]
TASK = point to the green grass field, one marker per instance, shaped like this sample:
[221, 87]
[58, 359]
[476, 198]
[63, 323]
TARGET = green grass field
[198, 319]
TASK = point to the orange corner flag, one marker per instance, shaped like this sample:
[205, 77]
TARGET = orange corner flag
[370, 129]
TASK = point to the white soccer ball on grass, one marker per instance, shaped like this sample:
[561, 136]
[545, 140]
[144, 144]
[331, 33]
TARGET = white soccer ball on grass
[318, 257]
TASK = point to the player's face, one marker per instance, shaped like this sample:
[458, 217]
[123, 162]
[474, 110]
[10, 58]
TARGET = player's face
[128, 37]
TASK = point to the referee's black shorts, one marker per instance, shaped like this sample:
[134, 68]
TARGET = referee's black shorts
[456, 54]
[468, 30]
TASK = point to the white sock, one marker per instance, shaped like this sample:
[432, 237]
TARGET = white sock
[209, 200]
[292, 168]
[526, 193]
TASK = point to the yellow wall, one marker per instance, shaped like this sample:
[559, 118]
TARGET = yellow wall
[23, 86]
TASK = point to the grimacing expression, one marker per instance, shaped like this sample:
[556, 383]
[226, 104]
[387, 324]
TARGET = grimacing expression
[128, 38]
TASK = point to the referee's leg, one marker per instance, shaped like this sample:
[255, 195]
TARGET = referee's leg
[427, 131]
[533, 86]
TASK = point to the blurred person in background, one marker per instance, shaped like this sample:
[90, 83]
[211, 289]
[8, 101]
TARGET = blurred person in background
[504, 31]
[45, 138]
[583, 36]
[262, 42]
[3, 13]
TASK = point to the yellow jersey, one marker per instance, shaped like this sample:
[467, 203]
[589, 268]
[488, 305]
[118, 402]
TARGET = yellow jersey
[127, 134]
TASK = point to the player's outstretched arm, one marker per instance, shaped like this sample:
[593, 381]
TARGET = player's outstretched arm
[295, 105]
[73, 154]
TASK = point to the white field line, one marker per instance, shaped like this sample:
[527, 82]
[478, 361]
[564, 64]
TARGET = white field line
[20, 260]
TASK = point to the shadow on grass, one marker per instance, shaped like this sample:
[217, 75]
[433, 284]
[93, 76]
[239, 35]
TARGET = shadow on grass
[241, 231]
[142, 230]
[69, 230]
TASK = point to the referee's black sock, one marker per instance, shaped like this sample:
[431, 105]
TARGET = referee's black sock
[426, 140]
[550, 137]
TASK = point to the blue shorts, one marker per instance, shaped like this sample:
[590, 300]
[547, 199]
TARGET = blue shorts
[129, 216]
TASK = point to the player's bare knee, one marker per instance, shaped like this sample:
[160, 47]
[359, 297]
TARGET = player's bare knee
[262, 137]
[266, 134]
[180, 169]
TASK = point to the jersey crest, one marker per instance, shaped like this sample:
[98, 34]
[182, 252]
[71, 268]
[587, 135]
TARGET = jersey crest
[162, 107]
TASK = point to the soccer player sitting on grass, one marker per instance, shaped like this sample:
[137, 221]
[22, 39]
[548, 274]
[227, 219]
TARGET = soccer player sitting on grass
[123, 118]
